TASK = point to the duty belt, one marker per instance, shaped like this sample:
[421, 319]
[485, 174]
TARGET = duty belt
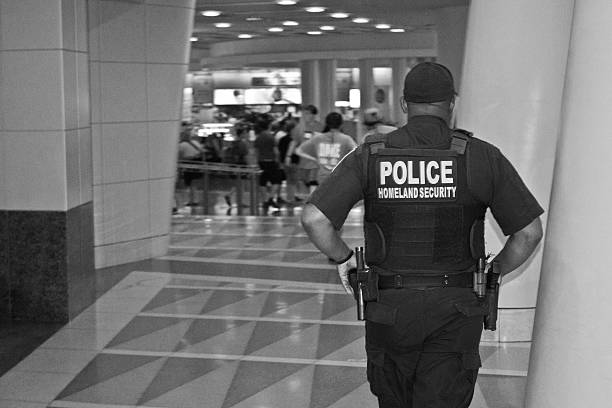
[459, 280]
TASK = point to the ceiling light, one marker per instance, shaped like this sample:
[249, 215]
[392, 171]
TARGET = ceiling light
[276, 29]
[211, 13]
[361, 20]
[192, 39]
[314, 32]
[245, 36]
[286, 2]
[397, 30]
[290, 23]
[315, 9]
[383, 26]
[327, 28]
[253, 19]
[339, 15]
[223, 25]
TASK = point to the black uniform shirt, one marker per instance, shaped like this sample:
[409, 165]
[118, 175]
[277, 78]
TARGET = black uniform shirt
[493, 179]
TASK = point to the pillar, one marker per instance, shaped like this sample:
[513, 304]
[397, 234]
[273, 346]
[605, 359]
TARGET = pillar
[46, 208]
[310, 82]
[366, 83]
[510, 96]
[139, 54]
[451, 23]
[399, 69]
[571, 357]
[327, 89]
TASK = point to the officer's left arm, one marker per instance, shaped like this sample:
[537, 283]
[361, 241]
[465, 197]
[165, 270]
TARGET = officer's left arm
[519, 247]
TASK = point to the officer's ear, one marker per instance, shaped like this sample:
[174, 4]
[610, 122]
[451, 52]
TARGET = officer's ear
[403, 104]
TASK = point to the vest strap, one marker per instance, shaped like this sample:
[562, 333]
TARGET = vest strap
[459, 140]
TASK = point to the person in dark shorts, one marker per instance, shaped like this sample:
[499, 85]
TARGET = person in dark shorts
[236, 153]
[267, 158]
[425, 189]
[190, 150]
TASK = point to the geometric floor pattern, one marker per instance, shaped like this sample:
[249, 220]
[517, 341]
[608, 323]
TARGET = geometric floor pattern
[248, 314]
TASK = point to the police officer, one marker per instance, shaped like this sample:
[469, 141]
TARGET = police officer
[426, 188]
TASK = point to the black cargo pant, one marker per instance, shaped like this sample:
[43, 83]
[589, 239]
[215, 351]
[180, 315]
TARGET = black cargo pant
[422, 347]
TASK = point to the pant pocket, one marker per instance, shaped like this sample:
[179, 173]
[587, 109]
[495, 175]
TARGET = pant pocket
[377, 312]
[460, 392]
[471, 308]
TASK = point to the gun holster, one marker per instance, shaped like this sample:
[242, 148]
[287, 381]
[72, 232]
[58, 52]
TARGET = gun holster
[369, 284]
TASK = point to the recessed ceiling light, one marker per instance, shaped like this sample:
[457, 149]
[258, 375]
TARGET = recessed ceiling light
[339, 15]
[397, 30]
[383, 26]
[253, 19]
[290, 23]
[276, 29]
[361, 20]
[211, 13]
[327, 28]
[245, 36]
[286, 2]
[315, 9]
[192, 39]
[223, 25]
[314, 32]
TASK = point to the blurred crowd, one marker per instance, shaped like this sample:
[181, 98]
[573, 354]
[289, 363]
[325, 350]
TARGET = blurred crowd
[294, 153]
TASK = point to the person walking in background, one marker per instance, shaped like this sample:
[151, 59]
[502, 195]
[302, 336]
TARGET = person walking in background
[267, 158]
[373, 124]
[426, 189]
[190, 150]
[328, 148]
[288, 161]
[307, 127]
[236, 153]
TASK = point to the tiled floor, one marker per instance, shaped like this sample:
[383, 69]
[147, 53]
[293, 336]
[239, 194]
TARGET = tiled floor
[242, 312]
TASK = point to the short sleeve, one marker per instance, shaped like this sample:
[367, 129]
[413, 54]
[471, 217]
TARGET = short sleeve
[309, 148]
[501, 187]
[337, 195]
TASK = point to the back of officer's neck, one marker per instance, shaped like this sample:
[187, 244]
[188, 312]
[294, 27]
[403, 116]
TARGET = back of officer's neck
[441, 110]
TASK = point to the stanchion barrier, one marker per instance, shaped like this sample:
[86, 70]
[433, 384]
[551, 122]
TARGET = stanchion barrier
[251, 172]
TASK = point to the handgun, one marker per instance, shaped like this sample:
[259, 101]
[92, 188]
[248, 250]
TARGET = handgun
[480, 279]
[492, 296]
[362, 277]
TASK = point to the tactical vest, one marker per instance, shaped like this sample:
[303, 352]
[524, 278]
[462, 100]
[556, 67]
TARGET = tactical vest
[420, 216]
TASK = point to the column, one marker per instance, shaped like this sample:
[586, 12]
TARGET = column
[451, 23]
[366, 83]
[511, 96]
[399, 69]
[310, 82]
[327, 90]
[46, 209]
[138, 61]
[571, 357]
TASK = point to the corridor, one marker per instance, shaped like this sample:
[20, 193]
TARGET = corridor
[243, 312]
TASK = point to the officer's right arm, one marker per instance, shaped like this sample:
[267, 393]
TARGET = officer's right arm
[322, 233]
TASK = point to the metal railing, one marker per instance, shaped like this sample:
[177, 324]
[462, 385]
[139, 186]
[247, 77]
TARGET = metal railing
[240, 172]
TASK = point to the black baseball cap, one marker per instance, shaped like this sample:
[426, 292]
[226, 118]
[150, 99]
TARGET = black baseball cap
[428, 82]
